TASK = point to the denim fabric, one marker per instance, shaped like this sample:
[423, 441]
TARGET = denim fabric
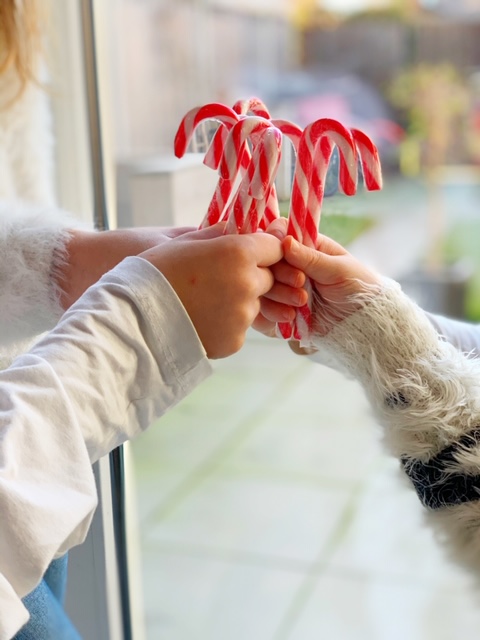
[48, 620]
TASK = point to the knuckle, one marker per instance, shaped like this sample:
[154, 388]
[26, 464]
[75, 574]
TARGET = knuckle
[245, 287]
[244, 251]
[238, 343]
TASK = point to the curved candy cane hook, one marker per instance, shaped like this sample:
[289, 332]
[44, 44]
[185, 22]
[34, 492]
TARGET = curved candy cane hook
[314, 154]
[227, 118]
[242, 108]
[214, 154]
[249, 127]
[186, 129]
[370, 159]
[248, 207]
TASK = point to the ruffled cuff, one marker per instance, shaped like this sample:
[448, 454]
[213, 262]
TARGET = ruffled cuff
[33, 248]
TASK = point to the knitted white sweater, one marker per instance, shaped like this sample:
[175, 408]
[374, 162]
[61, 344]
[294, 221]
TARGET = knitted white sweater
[33, 231]
[425, 392]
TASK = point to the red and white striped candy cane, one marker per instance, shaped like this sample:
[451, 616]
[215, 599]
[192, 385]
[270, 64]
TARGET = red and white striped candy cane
[186, 129]
[249, 127]
[227, 118]
[372, 172]
[252, 105]
[257, 107]
[250, 201]
[324, 134]
[218, 204]
[223, 191]
[370, 159]
[314, 155]
[293, 132]
[242, 107]
[216, 151]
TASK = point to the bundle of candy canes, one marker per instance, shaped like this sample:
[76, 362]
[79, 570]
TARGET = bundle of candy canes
[246, 150]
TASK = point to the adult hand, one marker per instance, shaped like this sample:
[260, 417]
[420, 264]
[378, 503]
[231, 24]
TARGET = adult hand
[220, 280]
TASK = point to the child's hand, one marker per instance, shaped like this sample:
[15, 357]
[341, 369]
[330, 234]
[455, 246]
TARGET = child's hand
[337, 278]
[90, 254]
[220, 280]
[279, 304]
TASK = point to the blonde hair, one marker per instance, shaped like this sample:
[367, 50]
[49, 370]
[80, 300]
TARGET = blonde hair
[21, 24]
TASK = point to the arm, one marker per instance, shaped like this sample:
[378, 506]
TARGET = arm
[116, 361]
[463, 335]
[48, 259]
[129, 349]
[423, 390]
[33, 243]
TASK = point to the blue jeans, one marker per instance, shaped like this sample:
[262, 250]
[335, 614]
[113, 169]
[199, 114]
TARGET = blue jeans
[48, 620]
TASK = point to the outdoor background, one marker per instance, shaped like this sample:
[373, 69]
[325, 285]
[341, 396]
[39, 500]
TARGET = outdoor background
[267, 508]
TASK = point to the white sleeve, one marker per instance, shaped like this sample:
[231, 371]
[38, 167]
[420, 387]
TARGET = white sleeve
[123, 354]
[426, 394]
[463, 335]
[33, 241]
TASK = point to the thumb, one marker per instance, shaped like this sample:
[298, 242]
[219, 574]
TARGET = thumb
[314, 264]
[278, 228]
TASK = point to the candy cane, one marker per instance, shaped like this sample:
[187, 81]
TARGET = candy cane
[370, 159]
[250, 201]
[251, 127]
[227, 118]
[252, 105]
[314, 155]
[324, 134]
[223, 191]
[216, 151]
[257, 107]
[186, 129]
[293, 132]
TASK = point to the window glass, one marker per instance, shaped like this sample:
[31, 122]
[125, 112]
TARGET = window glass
[267, 508]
